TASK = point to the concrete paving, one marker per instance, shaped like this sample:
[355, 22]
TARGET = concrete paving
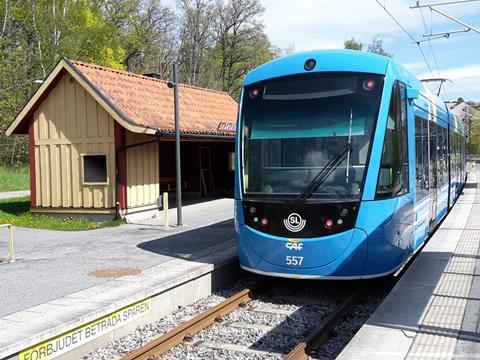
[433, 312]
[14, 194]
[200, 214]
[68, 280]
[52, 264]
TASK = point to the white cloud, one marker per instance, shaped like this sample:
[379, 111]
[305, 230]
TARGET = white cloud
[415, 66]
[466, 87]
[310, 24]
[320, 24]
[458, 73]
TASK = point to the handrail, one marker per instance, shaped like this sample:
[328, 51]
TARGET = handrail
[11, 254]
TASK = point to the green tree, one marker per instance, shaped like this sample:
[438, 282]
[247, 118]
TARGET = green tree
[352, 44]
[241, 43]
[195, 40]
[375, 46]
[216, 42]
[148, 37]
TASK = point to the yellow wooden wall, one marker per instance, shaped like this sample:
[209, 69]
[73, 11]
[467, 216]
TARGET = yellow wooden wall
[69, 122]
[142, 171]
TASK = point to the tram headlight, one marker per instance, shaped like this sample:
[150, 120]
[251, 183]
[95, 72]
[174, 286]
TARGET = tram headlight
[328, 224]
[254, 93]
[369, 84]
[264, 222]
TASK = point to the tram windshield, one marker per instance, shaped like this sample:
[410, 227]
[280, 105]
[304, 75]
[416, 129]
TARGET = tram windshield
[292, 127]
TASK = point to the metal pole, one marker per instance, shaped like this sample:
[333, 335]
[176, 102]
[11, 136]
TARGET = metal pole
[455, 19]
[417, 6]
[177, 145]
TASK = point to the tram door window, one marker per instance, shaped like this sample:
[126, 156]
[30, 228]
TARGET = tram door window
[421, 157]
[445, 154]
[393, 177]
[433, 169]
[433, 154]
[425, 156]
[452, 158]
[455, 149]
[441, 175]
[418, 158]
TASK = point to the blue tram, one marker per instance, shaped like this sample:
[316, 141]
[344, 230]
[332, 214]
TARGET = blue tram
[345, 164]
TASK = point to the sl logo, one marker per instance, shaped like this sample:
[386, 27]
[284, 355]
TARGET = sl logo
[294, 222]
[294, 244]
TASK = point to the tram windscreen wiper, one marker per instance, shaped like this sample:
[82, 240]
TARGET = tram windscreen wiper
[331, 165]
[323, 174]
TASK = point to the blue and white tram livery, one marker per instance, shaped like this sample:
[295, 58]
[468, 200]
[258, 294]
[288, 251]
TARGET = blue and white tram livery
[345, 164]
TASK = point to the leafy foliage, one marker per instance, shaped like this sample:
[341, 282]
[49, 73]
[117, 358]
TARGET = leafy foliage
[16, 211]
[216, 42]
[474, 140]
[353, 44]
[375, 46]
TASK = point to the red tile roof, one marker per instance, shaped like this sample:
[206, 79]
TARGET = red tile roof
[148, 102]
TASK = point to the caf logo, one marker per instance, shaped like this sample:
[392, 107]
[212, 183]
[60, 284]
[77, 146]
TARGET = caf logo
[294, 222]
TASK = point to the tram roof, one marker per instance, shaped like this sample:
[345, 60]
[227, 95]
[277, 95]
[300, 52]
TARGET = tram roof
[327, 61]
[343, 60]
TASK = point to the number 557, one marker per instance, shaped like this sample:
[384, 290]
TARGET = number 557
[293, 260]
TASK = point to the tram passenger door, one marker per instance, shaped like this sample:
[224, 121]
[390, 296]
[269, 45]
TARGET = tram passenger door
[433, 178]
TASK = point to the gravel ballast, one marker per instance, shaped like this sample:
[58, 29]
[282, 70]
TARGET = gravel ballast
[267, 328]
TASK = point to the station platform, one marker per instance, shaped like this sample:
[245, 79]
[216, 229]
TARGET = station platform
[70, 292]
[433, 312]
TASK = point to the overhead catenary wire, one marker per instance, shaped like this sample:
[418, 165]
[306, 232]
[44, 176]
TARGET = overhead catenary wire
[408, 33]
[417, 42]
[431, 47]
[441, 94]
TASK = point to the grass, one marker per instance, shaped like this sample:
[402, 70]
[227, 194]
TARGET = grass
[14, 179]
[16, 211]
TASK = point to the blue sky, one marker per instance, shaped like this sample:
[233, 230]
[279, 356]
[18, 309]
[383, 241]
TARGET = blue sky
[326, 24]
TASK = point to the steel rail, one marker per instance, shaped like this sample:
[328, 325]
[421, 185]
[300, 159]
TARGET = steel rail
[318, 335]
[176, 336]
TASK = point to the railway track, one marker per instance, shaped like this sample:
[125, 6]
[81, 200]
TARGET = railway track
[299, 341]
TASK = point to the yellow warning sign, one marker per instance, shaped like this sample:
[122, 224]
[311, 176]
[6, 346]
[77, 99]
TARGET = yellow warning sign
[65, 342]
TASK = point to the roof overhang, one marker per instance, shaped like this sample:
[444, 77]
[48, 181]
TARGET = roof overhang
[20, 124]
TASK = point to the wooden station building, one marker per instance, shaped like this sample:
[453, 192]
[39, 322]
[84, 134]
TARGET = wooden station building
[101, 140]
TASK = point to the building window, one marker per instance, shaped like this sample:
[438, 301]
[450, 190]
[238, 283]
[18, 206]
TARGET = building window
[95, 169]
[393, 175]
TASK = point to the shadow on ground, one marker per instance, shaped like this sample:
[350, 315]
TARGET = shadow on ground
[192, 244]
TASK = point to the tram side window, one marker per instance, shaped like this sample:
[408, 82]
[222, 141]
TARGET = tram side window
[393, 175]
